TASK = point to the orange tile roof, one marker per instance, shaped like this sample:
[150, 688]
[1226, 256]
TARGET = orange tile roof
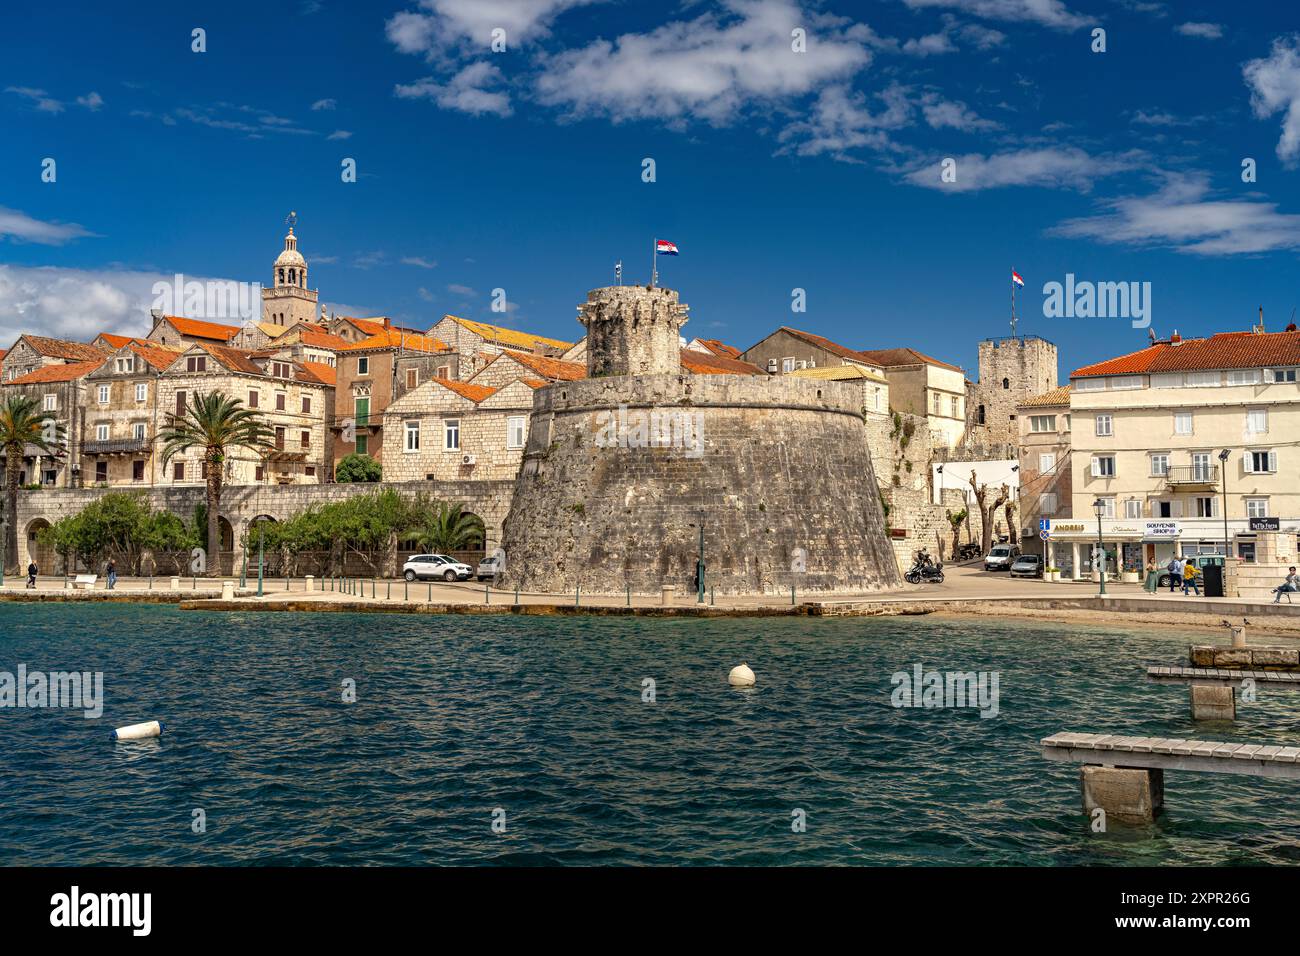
[3, 353]
[319, 372]
[322, 340]
[503, 336]
[1224, 350]
[398, 338]
[59, 373]
[60, 348]
[534, 382]
[199, 329]
[1057, 396]
[720, 348]
[236, 360]
[117, 341]
[706, 363]
[902, 356]
[475, 393]
[154, 354]
[821, 342]
[556, 370]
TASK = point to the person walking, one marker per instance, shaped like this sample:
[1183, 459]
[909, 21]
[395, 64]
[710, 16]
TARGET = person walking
[1189, 578]
[1287, 587]
[112, 574]
[1152, 583]
[33, 570]
[1175, 574]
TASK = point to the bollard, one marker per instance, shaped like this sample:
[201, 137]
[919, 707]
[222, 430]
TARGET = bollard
[629, 595]
[308, 581]
[176, 583]
[516, 595]
[227, 590]
[194, 584]
[430, 592]
[712, 594]
[577, 596]
[487, 594]
[287, 588]
[406, 590]
[151, 582]
[388, 596]
[792, 595]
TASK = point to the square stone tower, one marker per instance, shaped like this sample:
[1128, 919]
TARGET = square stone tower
[633, 330]
[1011, 370]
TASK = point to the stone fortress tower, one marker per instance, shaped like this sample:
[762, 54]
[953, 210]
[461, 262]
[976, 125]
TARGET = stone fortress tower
[1011, 370]
[622, 469]
[289, 301]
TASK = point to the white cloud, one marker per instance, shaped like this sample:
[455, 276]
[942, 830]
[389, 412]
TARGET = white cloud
[469, 24]
[43, 101]
[950, 114]
[1068, 168]
[461, 289]
[340, 134]
[934, 44]
[1050, 13]
[708, 68]
[419, 261]
[467, 91]
[326, 104]
[19, 227]
[1274, 83]
[1206, 31]
[1180, 216]
[91, 101]
[840, 121]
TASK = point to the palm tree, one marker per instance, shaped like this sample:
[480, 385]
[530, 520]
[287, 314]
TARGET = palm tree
[217, 424]
[449, 528]
[22, 423]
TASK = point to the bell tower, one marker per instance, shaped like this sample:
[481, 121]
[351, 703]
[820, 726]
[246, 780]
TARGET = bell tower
[289, 301]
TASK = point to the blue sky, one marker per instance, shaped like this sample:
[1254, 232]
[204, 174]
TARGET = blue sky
[775, 169]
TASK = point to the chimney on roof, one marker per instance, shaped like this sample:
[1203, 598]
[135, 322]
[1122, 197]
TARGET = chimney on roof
[155, 314]
[1175, 338]
[1260, 328]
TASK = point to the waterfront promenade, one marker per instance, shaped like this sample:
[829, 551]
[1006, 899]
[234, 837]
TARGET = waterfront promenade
[968, 590]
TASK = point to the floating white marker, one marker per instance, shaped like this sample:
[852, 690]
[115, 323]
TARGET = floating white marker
[741, 676]
[150, 728]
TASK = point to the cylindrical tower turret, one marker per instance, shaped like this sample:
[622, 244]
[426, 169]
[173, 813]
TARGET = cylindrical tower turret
[633, 330]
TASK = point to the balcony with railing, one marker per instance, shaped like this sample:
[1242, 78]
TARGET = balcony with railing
[118, 446]
[1183, 475]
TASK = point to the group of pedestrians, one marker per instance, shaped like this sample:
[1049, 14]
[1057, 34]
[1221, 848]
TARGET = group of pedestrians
[110, 570]
[1183, 571]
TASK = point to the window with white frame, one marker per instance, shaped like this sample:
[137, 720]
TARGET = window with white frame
[1183, 423]
[103, 394]
[1167, 380]
[937, 399]
[451, 434]
[1103, 466]
[1259, 462]
[1257, 421]
[1121, 382]
[1201, 467]
[51, 402]
[1244, 376]
[124, 364]
[1067, 424]
[141, 391]
[956, 407]
[1207, 506]
[1105, 426]
[1204, 379]
[1042, 423]
[1107, 507]
[1282, 375]
[787, 364]
[101, 433]
[1047, 503]
[1047, 462]
[516, 429]
[1159, 465]
[412, 436]
[138, 431]
[1132, 507]
[363, 365]
[1256, 507]
[1089, 384]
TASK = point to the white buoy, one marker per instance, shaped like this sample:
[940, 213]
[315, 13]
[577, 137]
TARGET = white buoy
[150, 728]
[741, 676]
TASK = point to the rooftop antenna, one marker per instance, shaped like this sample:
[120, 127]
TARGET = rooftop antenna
[291, 220]
[1151, 334]
[618, 271]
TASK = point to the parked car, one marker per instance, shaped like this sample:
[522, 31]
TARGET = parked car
[435, 566]
[1027, 566]
[490, 567]
[1198, 560]
[1000, 557]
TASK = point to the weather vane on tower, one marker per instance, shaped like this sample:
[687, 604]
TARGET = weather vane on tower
[291, 220]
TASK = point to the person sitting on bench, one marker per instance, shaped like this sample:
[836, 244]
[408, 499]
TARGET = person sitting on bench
[1287, 587]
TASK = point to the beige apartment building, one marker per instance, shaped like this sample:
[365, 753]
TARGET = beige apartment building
[1045, 493]
[1183, 444]
[921, 385]
[120, 417]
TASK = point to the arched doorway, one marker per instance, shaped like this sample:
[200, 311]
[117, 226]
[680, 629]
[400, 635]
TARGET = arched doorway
[43, 554]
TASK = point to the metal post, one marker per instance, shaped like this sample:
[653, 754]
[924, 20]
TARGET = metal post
[712, 595]
[388, 594]
[577, 596]
[487, 594]
[243, 570]
[699, 566]
[406, 590]
[516, 595]
[792, 595]
[260, 559]
[629, 595]
[1101, 560]
[4, 539]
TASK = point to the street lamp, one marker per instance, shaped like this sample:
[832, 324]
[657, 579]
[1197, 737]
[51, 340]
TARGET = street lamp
[1223, 458]
[1099, 508]
[699, 565]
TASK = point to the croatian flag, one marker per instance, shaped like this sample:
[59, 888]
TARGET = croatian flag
[665, 248]
[1015, 277]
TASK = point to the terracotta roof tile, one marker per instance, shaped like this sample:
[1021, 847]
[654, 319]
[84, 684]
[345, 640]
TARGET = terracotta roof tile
[1057, 396]
[236, 360]
[397, 338]
[199, 329]
[720, 348]
[554, 369]
[60, 348]
[321, 340]
[513, 337]
[475, 393]
[902, 356]
[154, 354]
[706, 363]
[319, 372]
[1224, 350]
[59, 373]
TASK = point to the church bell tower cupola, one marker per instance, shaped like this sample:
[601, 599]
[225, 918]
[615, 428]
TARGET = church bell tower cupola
[289, 300]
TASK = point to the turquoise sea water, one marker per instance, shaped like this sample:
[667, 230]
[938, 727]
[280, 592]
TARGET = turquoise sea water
[544, 718]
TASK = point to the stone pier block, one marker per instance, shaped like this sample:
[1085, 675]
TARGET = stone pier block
[1214, 703]
[1127, 795]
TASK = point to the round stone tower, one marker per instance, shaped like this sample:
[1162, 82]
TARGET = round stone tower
[625, 477]
[633, 330]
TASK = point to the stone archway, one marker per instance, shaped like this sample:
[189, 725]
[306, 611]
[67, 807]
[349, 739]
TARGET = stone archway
[226, 555]
[43, 554]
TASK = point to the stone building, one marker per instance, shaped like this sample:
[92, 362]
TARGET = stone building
[121, 417]
[788, 350]
[1045, 470]
[471, 340]
[507, 366]
[289, 301]
[1011, 370]
[447, 430]
[925, 386]
[869, 381]
[178, 332]
[295, 400]
[31, 352]
[622, 472]
[375, 372]
[60, 390]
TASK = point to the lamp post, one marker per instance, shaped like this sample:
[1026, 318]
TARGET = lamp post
[259, 559]
[1099, 508]
[1223, 459]
[699, 565]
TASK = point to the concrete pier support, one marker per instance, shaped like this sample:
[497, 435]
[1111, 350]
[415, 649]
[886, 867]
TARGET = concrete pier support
[1128, 795]
[1214, 703]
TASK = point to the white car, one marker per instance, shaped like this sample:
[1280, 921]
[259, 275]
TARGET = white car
[435, 566]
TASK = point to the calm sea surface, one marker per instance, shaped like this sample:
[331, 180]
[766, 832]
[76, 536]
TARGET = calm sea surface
[544, 718]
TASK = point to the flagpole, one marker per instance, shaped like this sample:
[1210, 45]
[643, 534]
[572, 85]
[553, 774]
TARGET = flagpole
[654, 246]
[1013, 303]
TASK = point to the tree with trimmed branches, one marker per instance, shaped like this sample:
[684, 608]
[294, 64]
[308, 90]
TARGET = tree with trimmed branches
[218, 424]
[22, 423]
